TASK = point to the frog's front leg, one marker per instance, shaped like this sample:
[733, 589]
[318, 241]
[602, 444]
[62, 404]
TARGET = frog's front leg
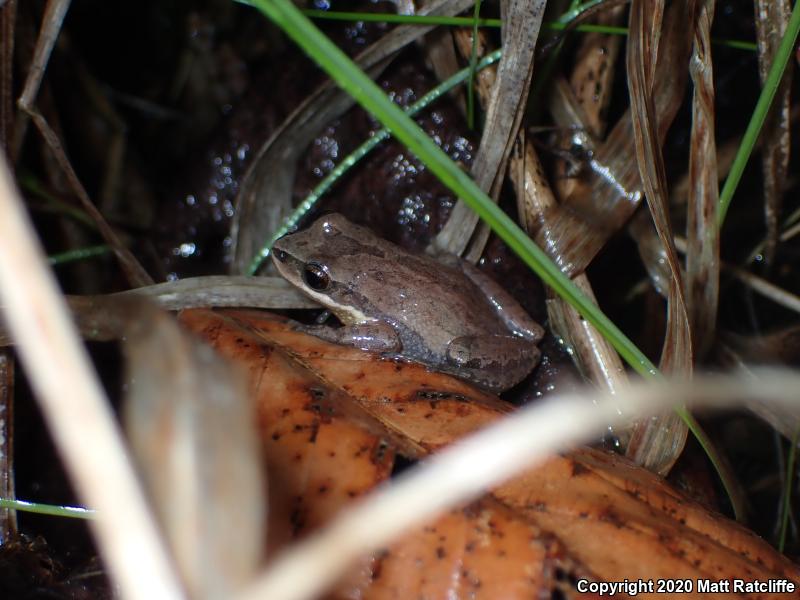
[495, 362]
[376, 336]
[507, 308]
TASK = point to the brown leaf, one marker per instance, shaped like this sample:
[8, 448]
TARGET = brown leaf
[621, 521]
[587, 514]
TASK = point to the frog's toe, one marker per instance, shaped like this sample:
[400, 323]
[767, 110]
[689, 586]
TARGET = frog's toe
[459, 353]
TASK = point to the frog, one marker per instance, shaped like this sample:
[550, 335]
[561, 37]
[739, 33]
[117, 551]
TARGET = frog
[439, 310]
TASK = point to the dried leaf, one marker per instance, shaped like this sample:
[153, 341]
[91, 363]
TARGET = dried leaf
[590, 498]
[483, 552]
[565, 515]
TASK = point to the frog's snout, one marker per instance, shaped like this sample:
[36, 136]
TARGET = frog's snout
[280, 255]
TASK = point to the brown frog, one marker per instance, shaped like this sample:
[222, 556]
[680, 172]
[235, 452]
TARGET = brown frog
[442, 312]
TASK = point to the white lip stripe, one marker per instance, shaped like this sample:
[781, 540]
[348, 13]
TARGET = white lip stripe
[338, 309]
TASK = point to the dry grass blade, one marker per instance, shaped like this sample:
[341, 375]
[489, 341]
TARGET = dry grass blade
[584, 100]
[76, 409]
[191, 422]
[522, 20]
[592, 76]
[581, 105]
[702, 255]
[265, 196]
[53, 18]
[652, 254]
[134, 271]
[8, 13]
[657, 444]
[772, 18]
[8, 518]
[595, 357]
[593, 213]
[651, 251]
[217, 291]
[766, 289]
[467, 468]
[779, 347]
[105, 317]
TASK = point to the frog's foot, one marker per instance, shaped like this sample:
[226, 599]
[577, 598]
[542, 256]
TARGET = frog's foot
[494, 362]
[374, 337]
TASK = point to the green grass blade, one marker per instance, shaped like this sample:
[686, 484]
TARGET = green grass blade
[78, 254]
[74, 512]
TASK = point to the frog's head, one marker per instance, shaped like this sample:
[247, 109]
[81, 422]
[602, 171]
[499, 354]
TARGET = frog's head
[328, 262]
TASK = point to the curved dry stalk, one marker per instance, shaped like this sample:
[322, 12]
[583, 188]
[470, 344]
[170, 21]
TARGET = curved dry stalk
[702, 256]
[658, 443]
[594, 356]
[483, 460]
[587, 95]
[613, 191]
[76, 409]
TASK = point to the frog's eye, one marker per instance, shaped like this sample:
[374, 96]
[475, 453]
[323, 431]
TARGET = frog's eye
[316, 277]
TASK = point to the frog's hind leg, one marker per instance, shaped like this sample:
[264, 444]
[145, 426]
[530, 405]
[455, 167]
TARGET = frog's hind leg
[494, 362]
[507, 308]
